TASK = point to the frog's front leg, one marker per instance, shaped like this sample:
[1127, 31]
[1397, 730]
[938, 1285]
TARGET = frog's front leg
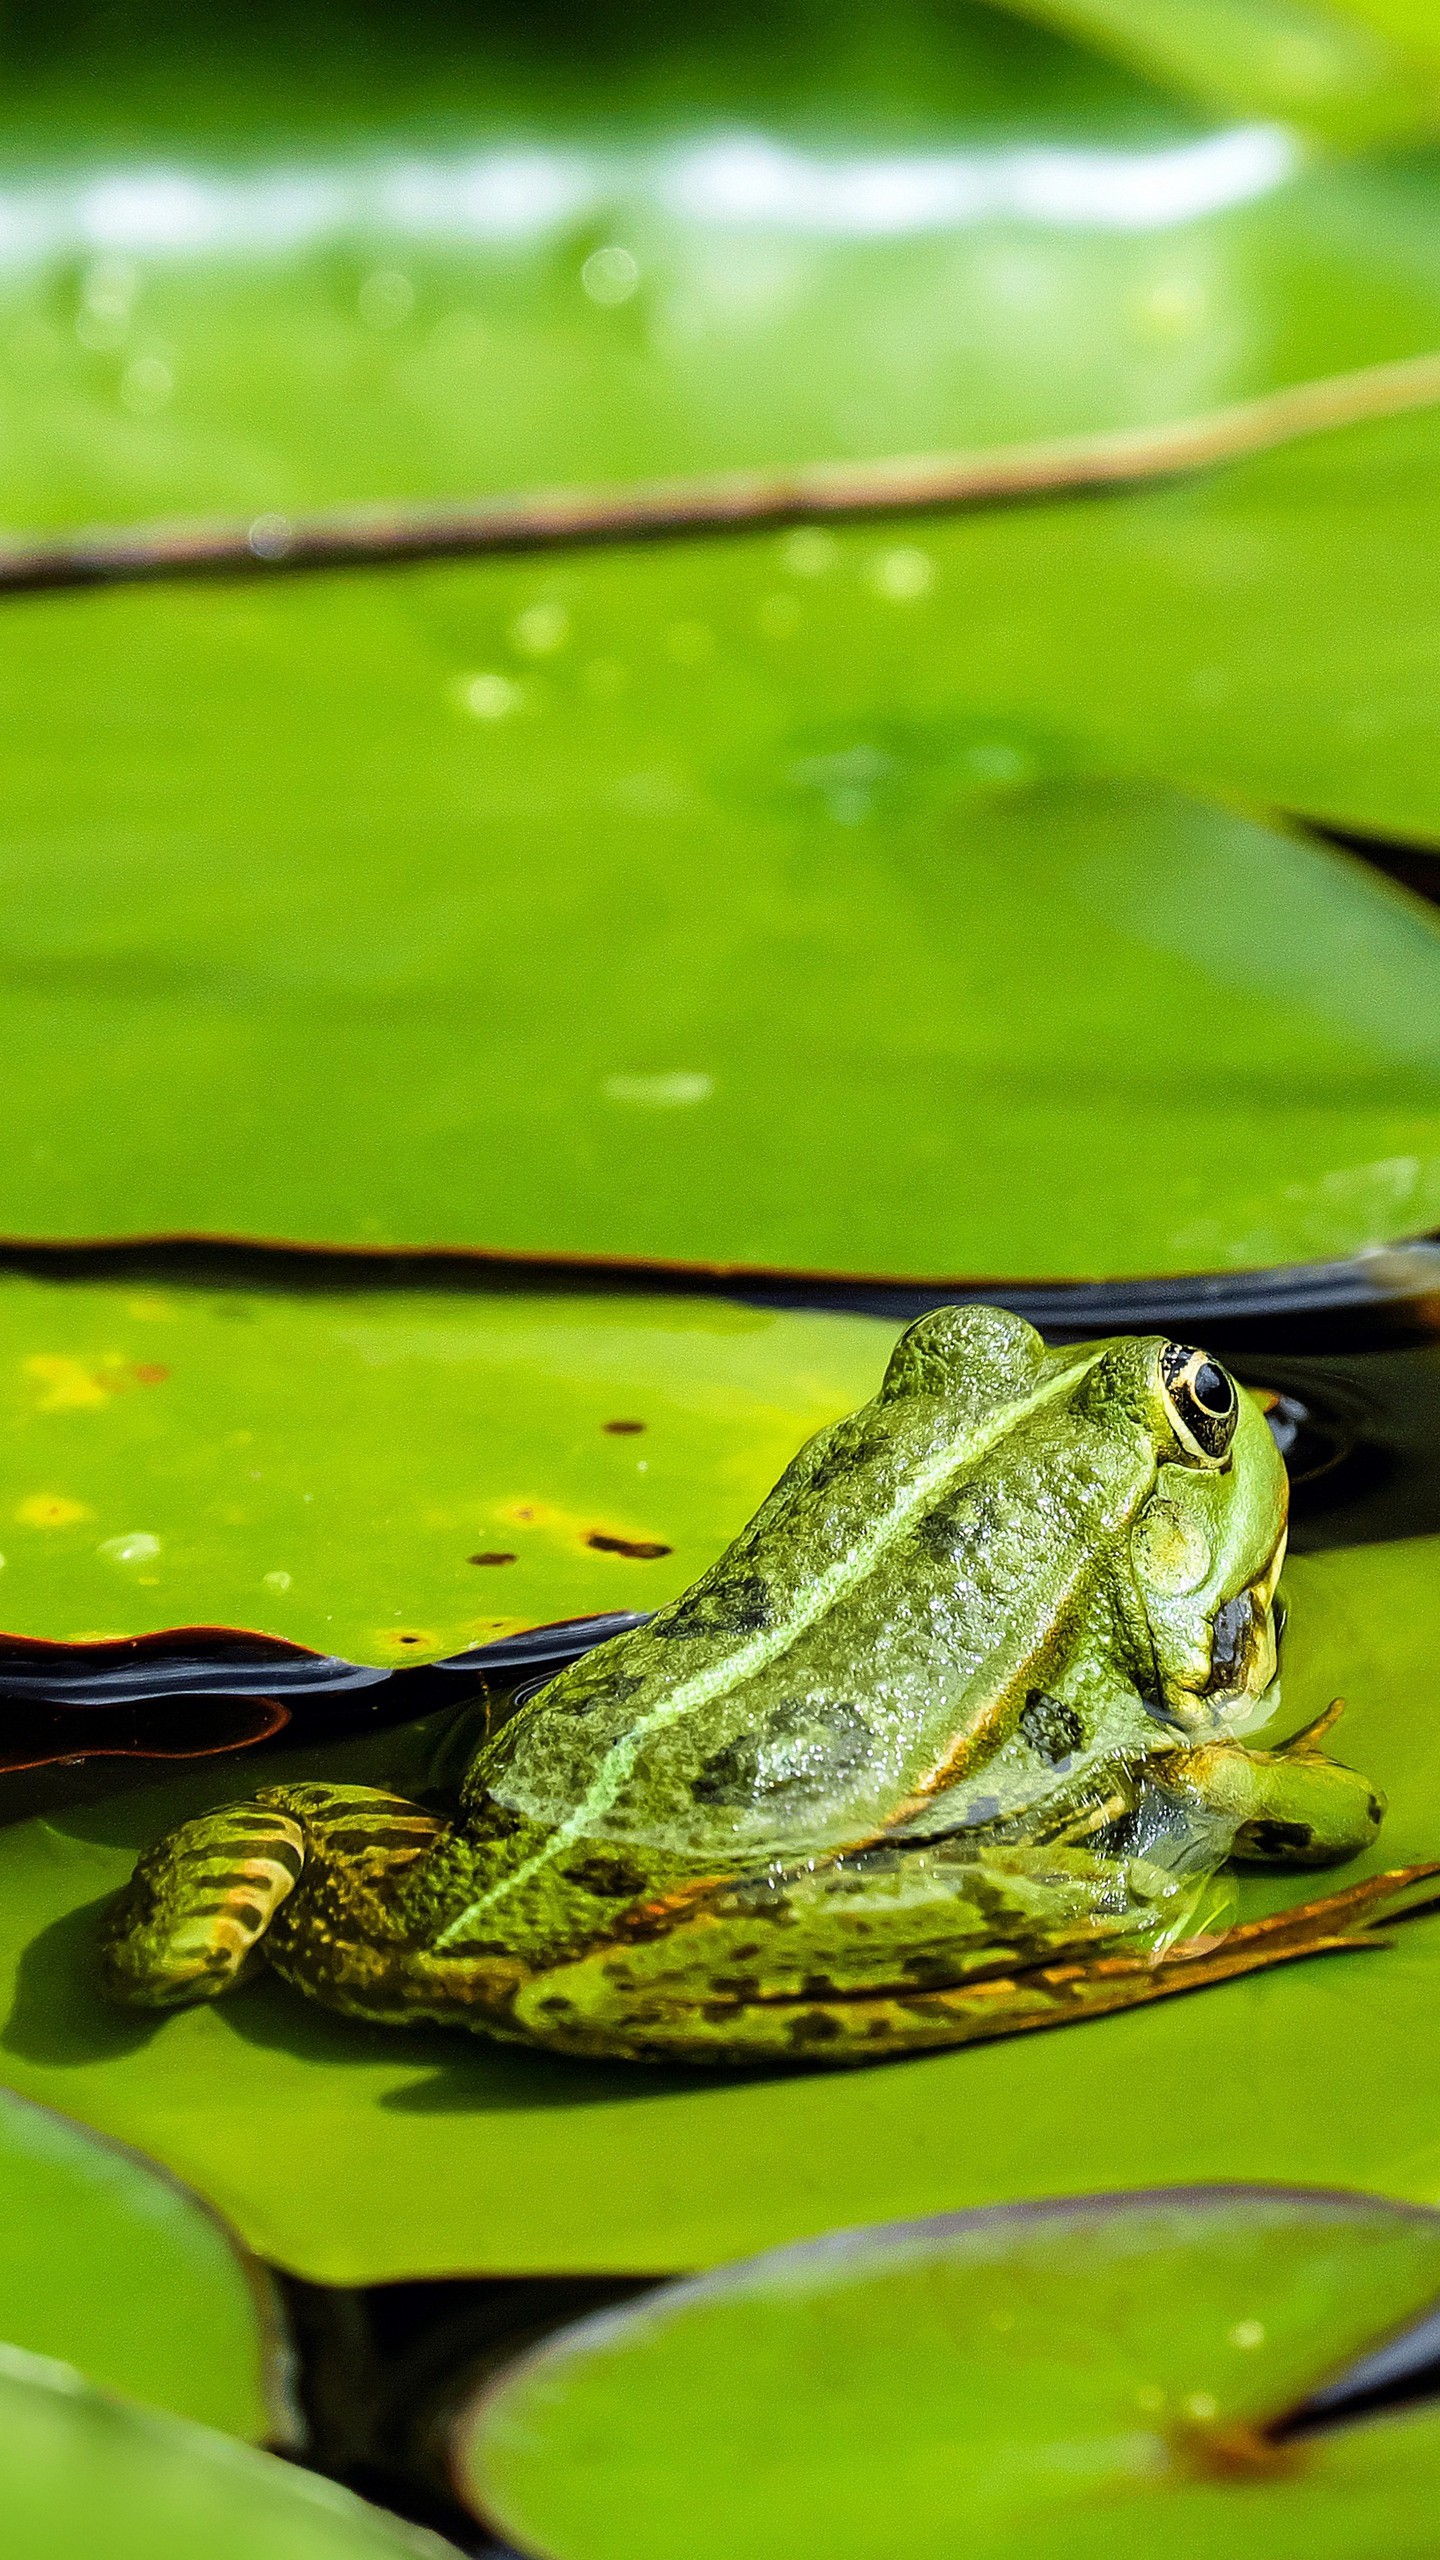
[1294, 1807]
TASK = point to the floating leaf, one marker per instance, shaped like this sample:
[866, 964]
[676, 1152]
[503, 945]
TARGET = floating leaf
[108, 2265]
[388, 1476]
[415, 267]
[1097, 2378]
[679, 978]
[1354, 70]
[80, 2473]
[306, 884]
[466, 2157]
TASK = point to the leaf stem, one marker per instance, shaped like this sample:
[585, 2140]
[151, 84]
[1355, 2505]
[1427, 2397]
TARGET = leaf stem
[725, 502]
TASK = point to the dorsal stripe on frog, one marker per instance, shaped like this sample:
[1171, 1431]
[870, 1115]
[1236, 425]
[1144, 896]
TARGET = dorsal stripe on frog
[923, 1489]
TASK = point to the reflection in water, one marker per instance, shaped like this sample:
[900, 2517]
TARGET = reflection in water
[513, 196]
[1363, 1434]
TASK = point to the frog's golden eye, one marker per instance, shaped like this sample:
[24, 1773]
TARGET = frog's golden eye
[1204, 1405]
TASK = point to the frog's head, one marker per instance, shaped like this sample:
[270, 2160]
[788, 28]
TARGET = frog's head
[1208, 1540]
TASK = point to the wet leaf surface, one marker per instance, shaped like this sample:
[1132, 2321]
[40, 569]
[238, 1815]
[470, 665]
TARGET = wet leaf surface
[388, 1476]
[1098, 2377]
[463, 2157]
[855, 973]
[110, 2266]
[79, 2472]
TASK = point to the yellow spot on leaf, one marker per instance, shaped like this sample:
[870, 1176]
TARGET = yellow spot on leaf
[538, 1515]
[408, 1640]
[149, 1309]
[68, 1386]
[52, 1511]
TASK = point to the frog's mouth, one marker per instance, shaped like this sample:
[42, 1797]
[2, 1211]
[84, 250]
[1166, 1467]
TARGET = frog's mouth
[1245, 1638]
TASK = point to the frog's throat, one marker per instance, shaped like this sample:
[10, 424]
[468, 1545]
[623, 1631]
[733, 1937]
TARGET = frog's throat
[763, 1648]
[1213, 1708]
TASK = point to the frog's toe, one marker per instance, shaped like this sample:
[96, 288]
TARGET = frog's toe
[189, 1923]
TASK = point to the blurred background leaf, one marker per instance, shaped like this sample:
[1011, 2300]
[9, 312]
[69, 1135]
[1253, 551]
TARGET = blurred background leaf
[332, 255]
[79, 2472]
[335, 917]
[109, 2265]
[837, 854]
[1353, 71]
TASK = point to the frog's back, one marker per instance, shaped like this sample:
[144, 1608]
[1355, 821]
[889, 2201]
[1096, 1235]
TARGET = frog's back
[874, 1629]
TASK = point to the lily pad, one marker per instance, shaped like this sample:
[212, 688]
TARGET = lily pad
[89, 2233]
[787, 835]
[346, 263]
[1100, 2378]
[388, 1476]
[465, 2157]
[1354, 70]
[886, 990]
[79, 2472]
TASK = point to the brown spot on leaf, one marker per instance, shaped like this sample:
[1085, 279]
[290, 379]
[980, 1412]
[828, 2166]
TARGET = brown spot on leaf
[622, 1430]
[1233, 2451]
[644, 1550]
[151, 1373]
[495, 1555]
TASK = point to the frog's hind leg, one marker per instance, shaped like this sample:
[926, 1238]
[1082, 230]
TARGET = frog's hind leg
[192, 1921]
[852, 1968]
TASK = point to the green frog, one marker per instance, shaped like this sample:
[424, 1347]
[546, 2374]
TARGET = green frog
[947, 1745]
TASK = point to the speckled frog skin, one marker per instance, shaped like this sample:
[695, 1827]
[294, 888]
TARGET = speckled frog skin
[946, 1745]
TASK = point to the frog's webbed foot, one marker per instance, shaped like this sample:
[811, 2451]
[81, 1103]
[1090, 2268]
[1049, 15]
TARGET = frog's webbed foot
[1290, 1807]
[191, 1922]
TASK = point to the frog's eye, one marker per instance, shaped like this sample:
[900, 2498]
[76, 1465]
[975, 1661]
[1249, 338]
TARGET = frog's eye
[1204, 1405]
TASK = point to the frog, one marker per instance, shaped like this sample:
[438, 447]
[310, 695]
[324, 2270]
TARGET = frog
[952, 1741]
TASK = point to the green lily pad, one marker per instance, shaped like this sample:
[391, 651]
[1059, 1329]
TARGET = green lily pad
[854, 971]
[389, 1476]
[1354, 70]
[108, 2265]
[466, 2157]
[694, 975]
[78, 2472]
[349, 264]
[1096, 2378]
